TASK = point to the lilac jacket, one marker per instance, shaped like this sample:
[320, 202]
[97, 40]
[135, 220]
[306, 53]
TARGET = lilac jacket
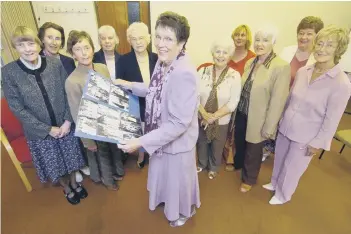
[313, 111]
[179, 129]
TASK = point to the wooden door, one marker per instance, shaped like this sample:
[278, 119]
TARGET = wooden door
[120, 15]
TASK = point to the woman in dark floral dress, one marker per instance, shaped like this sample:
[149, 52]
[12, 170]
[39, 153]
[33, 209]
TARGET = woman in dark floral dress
[34, 89]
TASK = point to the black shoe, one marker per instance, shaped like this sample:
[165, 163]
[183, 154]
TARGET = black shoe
[141, 164]
[82, 191]
[73, 200]
[117, 177]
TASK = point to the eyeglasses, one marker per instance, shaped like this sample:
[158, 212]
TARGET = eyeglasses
[328, 45]
[134, 39]
[165, 40]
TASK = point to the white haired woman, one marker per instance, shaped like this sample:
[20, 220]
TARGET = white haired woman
[312, 114]
[265, 82]
[108, 55]
[138, 65]
[220, 88]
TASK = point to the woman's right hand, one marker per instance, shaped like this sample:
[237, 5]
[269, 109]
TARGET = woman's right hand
[55, 132]
[123, 83]
[92, 148]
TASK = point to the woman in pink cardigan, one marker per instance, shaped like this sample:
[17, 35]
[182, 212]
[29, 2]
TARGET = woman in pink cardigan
[313, 111]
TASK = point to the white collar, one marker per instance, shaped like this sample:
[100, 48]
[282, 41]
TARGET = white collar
[31, 66]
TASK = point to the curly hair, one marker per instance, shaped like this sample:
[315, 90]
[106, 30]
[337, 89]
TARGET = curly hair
[310, 22]
[178, 23]
[77, 36]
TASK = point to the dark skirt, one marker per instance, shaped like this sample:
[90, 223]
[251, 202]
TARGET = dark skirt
[54, 158]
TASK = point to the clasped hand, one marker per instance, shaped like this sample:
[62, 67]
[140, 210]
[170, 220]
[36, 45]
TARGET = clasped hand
[208, 118]
[59, 132]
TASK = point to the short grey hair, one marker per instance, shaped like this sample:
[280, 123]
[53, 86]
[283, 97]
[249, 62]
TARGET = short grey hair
[269, 30]
[108, 28]
[226, 43]
[140, 27]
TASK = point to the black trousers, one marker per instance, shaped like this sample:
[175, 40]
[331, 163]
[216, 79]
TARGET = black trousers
[248, 155]
[239, 139]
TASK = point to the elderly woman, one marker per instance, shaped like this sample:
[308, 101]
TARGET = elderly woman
[138, 65]
[313, 111]
[171, 122]
[265, 90]
[108, 55]
[34, 89]
[220, 88]
[242, 40]
[298, 56]
[52, 37]
[99, 154]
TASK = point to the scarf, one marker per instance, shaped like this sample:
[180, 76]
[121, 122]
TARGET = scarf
[154, 95]
[212, 103]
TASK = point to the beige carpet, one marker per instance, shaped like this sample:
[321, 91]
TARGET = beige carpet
[321, 205]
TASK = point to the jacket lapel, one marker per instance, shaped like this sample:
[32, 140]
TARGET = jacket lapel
[134, 63]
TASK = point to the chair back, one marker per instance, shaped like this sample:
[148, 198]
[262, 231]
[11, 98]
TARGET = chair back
[9, 123]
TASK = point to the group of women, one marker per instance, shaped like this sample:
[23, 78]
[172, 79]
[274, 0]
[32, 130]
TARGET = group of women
[242, 99]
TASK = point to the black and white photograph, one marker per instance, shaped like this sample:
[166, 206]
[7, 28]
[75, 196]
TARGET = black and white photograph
[130, 127]
[128, 136]
[98, 88]
[119, 98]
[86, 125]
[88, 109]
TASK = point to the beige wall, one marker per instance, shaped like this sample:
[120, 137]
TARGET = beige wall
[209, 20]
[70, 21]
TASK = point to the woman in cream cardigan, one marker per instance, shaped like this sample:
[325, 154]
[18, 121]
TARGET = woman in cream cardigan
[220, 88]
[265, 89]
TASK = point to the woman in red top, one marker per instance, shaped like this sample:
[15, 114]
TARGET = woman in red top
[242, 40]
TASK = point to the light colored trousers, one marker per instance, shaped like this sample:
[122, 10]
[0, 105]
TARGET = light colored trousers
[290, 162]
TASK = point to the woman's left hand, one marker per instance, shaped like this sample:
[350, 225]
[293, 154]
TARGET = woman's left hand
[266, 135]
[65, 128]
[130, 146]
[212, 119]
[311, 151]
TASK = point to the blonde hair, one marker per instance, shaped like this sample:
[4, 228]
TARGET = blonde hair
[23, 33]
[223, 42]
[108, 28]
[140, 27]
[245, 28]
[342, 36]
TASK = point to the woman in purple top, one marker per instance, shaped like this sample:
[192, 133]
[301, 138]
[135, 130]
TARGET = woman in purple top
[171, 125]
[313, 111]
[298, 56]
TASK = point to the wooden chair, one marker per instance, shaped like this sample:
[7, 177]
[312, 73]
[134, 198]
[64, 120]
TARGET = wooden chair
[14, 141]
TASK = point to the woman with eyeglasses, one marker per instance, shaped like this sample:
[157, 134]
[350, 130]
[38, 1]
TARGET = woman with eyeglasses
[171, 123]
[312, 113]
[138, 66]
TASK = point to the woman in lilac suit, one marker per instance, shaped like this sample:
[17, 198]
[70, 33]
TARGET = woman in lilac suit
[318, 98]
[171, 126]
